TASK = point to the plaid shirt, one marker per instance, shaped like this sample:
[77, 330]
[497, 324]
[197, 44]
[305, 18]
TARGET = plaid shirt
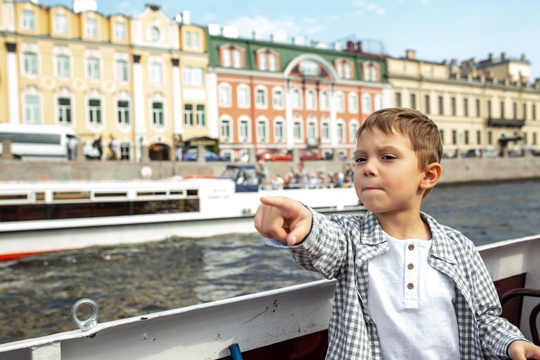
[340, 247]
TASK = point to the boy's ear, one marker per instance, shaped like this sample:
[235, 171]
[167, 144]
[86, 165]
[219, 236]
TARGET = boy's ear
[432, 175]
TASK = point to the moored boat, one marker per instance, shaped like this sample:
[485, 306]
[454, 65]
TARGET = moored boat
[54, 216]
[288, 323]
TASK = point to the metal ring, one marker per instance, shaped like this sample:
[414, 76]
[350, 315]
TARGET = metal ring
[89, 323]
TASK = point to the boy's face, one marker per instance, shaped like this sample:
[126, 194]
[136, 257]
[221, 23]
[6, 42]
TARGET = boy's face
[387, 175]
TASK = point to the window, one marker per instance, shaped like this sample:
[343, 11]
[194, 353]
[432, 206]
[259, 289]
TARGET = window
[195, 41]
[441, 105]
[343, 68]
[296, 99]
[32, 109]
[193, 76]
[122, 108]
[502, 110]
[378, 101]
[353, 103]
[242, 94]
[30, 63]
[325, 101]
[91, 27]
[272, 62]
[237, 59]
[226, 58]
[398, 99]
[308, 67]
[226, 130]
[310, 100]
[479, 137]
[60, 24]
[353, 128]
[262, 61]
[262, 130]
[224, 95]
[64, 111]
[121, 70]
[156, 73]
[297, 130]
[325, 131]
[94, 111]
[413, 101]
[340, 131]
[188, 115]
[277, 98]
[279, 131]
[93, 68]
[158, 118]
[454, 137]
[366, 103]
[466, 134]
[453, 106]
[340, 102]
[514, 110]
[260, 97]
[63, 67]
[427, 104]
[124, 151]
[489, 108]
[244, 131]
[120, 30]
[525, 111]
[201, 118]
[478, 112]
[465, 107]
[312, 132]
[370, 71]
[28, 20]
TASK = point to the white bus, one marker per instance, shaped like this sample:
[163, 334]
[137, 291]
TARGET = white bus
[39, 142]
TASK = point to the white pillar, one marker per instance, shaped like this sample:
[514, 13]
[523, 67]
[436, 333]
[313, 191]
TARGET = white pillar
[333, 118]
[13, 84]
[139, 112]
[178, 101]
[289, 123]
[212, 102]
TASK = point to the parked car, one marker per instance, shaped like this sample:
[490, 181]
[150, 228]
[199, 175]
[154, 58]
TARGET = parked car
[310, 155]
[286, 155]
[191, 155]
[275, 155]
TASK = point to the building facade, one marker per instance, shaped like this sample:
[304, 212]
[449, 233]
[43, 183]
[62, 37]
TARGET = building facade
[153, 83]
[127, 78]
[488, 105]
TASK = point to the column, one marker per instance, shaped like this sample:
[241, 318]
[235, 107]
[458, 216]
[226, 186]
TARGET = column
[289, 123]
[139, 112]
[333, 119]
[13, 84]
[212, 102]
[177, 98]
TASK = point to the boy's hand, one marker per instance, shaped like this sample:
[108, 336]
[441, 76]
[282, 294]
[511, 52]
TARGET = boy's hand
[523, 350]
[283, 219]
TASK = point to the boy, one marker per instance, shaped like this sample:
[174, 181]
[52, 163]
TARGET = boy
[407, 287]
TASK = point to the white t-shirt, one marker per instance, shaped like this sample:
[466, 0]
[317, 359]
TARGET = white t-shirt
[412, 304]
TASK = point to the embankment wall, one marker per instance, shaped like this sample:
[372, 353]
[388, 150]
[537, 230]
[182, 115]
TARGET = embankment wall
[454, 170]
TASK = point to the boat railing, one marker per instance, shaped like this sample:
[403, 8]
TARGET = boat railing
[521, 293]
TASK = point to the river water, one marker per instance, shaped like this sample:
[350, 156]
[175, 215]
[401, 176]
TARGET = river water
[36, 294]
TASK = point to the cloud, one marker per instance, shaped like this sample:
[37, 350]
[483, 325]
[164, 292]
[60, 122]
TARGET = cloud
[265, 25]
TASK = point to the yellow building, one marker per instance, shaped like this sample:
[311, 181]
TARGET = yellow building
[488, 105]
[139, 79]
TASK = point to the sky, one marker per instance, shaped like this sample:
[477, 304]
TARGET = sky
[436, 29]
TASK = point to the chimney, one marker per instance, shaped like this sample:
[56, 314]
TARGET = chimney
[214, 29]
[350, 46]
[410, 54]
[359, 47]
[230, 32]
[257, 35]
[523, 57]
[503, 56]
[186, 17]
[299, 40]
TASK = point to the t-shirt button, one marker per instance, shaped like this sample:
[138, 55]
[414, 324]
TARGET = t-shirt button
[411, 247]
[410, 266]
[410, 286]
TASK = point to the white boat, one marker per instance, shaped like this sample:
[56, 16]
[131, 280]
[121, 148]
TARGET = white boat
[288, 323]
[42, 217]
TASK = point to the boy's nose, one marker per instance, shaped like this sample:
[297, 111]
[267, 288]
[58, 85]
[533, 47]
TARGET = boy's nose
[370, 168]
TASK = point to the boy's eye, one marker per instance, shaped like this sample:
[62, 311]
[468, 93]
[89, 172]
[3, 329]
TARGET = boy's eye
[388, 157]
[360, 159]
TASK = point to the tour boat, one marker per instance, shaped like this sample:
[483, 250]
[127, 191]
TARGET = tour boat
[287, 323]
[37, 217]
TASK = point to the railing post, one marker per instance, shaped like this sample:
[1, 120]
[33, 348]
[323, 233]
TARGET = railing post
[6, 150]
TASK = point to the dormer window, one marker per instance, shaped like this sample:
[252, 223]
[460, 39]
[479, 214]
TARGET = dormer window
[231, 56]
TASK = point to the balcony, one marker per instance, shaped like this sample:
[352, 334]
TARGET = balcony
[502, 122]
